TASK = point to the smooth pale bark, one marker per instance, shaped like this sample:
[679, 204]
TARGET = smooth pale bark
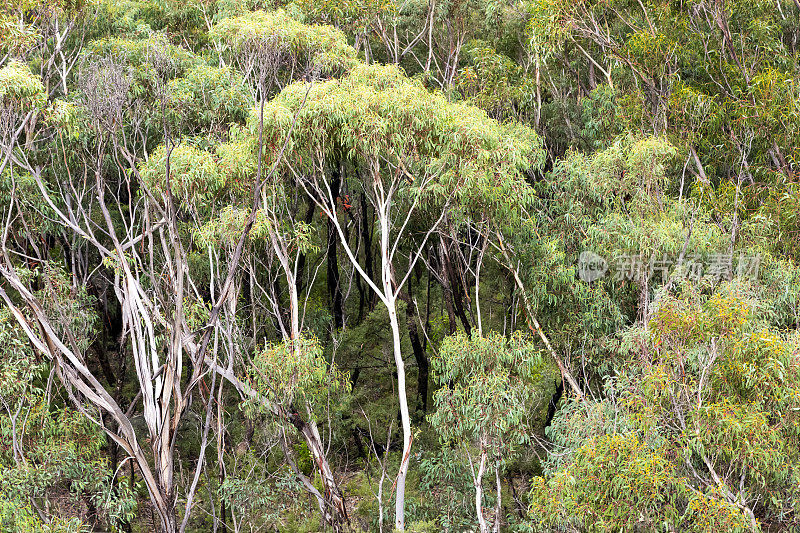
[73, 373]
[405, 419]
[479, 492]
[164, 391]
[387, 290]
[499, 505]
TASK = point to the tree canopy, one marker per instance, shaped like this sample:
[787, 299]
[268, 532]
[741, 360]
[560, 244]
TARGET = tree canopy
[399, 266]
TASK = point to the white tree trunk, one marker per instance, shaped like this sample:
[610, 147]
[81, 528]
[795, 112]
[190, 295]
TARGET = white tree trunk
[405, 418]
[484, 528]
[498, 506]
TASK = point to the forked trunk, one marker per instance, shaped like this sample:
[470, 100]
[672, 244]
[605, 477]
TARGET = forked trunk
[331, 501]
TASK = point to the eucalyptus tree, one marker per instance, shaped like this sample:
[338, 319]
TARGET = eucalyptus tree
[273, 229]
[137, 237]
[415, 155]
[488, 397]
[271, 50]
[426, 36]
[176, 176]
[648, 53]
[125, 226]
[49, 34]
[151, 289]
[690, 437]
[52, 445]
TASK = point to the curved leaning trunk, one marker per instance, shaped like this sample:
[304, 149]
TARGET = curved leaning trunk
[331, 501]
[74, 374]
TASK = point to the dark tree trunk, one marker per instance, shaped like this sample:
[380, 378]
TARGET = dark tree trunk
[366, 235]
[419, 351]
[448, 301]
[551, 409]
[301, 260]
[99, 348]
[334, 288]
[452, 287]
[359, 445]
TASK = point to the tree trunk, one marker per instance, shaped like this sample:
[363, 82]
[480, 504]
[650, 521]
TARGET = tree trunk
[169, 522]
[366, 236]
[498, 506]
[479, 493]
[331, 501]
[405, 419]
[390, 301]
[419, 352]
[301, 259]
[334, 289]
[455, 288]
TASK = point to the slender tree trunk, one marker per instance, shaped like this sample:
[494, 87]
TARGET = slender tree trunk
[334, 289]
[538, 116]
[446, 290]
[221, 455]
[416, 344]
[165, 472]
[499, 505]
[405, 418]
[479, 493]
[455, 288]
[301, 260]
[366, 236]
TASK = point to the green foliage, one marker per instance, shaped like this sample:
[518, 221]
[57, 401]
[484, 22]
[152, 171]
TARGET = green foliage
[208, 98]
[20, 88]
[294, 374]
[716, 396]
[48, 450]
[614, 483]
[496, 84]
[488, 391]
[530, 132]
[447, 482]
[377, 112]
[151, 56]
[490, 387]
[313, 47]
[17, 38]
[194, 177]
[354, 15]
[264, 504]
